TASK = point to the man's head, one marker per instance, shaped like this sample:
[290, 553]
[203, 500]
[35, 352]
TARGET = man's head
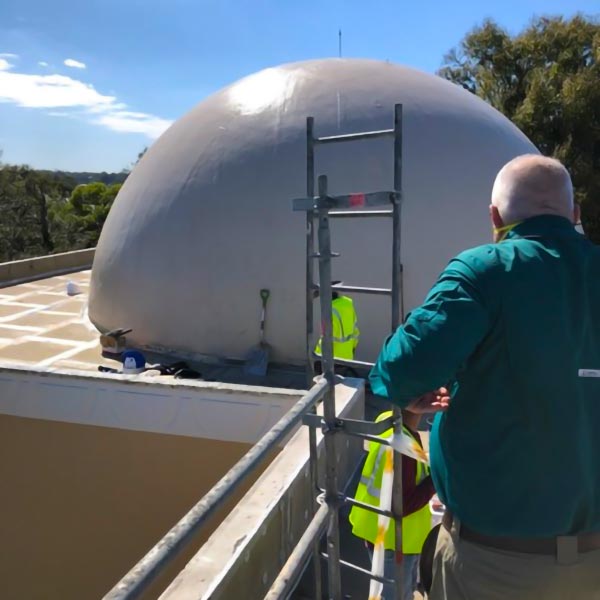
[529, 186]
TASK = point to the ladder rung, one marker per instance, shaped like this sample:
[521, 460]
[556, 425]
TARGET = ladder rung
[332, 255]
[348, 565]
[369, 507]
[349, 137]
[354, 200]
[345, 362]
[349, 214]
[352, 289]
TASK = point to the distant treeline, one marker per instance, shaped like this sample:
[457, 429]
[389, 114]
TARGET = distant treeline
[42, 212]
[89, 177]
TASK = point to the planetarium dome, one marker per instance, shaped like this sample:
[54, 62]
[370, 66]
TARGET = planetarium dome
[205, 219]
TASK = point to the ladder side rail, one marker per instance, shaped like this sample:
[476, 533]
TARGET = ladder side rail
[329, 409]
[310, 248]
[397, 503]
[310, 370]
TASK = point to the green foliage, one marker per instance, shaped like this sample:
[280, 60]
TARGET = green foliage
[78, 220]
[547, 81]
[25, 195]
[42, 212]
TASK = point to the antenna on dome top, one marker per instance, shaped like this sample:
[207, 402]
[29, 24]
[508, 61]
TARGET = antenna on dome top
[340, 43]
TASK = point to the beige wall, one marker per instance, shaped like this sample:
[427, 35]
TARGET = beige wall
[81, 504]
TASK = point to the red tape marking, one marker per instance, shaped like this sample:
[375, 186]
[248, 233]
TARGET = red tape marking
[357, 199]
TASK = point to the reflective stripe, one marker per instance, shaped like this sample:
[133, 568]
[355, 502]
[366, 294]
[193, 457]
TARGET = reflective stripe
[344, 338]
[370, 481]
[345, 333]
[422, 470]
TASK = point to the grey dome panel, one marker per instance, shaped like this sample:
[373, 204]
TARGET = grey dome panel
[204, 221]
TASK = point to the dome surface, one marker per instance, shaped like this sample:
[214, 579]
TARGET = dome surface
[205, 219]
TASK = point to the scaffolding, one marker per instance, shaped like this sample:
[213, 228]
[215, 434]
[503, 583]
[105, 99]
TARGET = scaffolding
[320, 207]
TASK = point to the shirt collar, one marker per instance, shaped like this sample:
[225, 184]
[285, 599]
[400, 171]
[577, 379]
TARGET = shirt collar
[543, 226]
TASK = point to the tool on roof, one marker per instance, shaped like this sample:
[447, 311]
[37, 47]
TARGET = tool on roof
[113, 342]
[257, 360]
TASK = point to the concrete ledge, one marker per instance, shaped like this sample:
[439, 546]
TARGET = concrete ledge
[226, 412]
[31, 269]
[245, 553]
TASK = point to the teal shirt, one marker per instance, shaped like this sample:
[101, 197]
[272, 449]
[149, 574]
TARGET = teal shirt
[509, 327]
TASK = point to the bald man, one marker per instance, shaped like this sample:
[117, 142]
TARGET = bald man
[512, 330]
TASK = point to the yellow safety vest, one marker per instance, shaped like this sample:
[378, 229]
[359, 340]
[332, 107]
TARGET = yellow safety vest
[415, 526]
[345, 329]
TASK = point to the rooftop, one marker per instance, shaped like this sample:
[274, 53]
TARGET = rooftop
[42, 326]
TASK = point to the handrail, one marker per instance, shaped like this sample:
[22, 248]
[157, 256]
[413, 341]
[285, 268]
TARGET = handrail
[147, 569]
[287, 578]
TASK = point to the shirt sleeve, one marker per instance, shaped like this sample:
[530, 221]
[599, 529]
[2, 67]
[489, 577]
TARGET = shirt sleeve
[437, 338]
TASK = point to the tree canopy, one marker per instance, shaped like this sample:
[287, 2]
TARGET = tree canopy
[546, 79]
[44, 212]
[25, 225]
[79, 219]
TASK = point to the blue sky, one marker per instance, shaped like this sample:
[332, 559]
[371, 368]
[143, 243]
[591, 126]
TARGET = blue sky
[85, 85]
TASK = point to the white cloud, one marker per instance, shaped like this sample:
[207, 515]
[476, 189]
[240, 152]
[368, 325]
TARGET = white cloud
[8, 55]
[49, 91]
[133, 122]
[77, 99]
[74, 64]
[43, 63]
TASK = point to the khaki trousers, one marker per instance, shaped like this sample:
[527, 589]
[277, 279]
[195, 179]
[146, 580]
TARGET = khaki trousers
[466, 571]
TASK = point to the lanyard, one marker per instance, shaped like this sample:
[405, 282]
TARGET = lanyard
[504, 230]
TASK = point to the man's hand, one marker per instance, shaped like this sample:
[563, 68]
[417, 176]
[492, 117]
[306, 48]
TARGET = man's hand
[436, 401]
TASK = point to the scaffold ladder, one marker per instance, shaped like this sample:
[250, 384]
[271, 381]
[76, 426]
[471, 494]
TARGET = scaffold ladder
[321, 207]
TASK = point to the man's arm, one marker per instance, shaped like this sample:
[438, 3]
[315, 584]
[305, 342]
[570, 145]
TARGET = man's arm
[436, 339]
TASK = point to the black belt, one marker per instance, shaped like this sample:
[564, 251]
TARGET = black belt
[582, 543]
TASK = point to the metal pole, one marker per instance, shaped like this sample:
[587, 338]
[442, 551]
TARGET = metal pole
[310, 248]
[146, 570]
[396, 233]
[316, 541]
[397, 508]
[310, 370]
[331, 478]
[286, 580]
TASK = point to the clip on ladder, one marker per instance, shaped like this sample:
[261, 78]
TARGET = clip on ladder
[348, 206]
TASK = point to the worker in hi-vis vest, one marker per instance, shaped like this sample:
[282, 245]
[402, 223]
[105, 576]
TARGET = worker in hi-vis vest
[345, 326]
[417, 490]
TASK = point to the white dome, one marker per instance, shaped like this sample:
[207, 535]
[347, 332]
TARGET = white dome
[205, 220]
